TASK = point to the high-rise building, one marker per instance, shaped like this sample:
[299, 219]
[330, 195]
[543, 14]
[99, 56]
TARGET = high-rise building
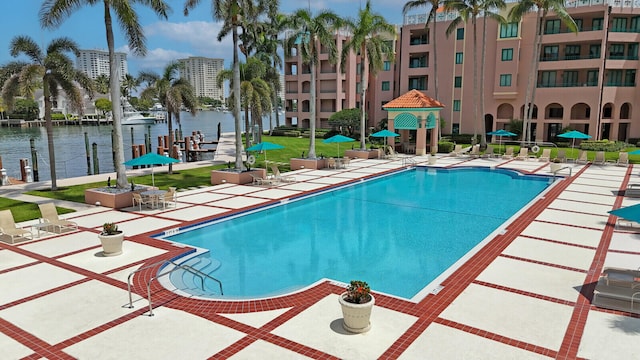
[96, 62]
[202, 74]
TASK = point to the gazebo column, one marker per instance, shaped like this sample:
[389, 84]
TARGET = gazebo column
[391, 127]
[434, 140]
[421, 137]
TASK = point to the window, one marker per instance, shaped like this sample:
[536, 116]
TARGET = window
[594, 51]
[419, 39]
[592, 78]
[459, 58]
[386, 66]
[385, 86]
[460, 34]
[507, 54]
[630, 77]
[505, 79]
[548, 79]
[596, 24]
[556, 113]
[635, 24]
[614, 78]
[572, 52]
[455, 129]
[570, 78]
[417, 62]
[456, 105]
[552, 26]
[616, 51]
[550, 53]
[457, 81]
[509, 30]
[619, 24]
[578, 24]
[632, 51]
[418, 83]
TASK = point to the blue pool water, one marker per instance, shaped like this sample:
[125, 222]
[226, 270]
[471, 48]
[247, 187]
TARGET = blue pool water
[398, 232]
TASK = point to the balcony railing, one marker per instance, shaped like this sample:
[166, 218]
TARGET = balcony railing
[568, 84]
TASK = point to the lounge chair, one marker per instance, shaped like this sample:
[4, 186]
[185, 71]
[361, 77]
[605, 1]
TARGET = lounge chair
[582, 158]
[137, 199]
[263, 181]
[8, 227]
[457, 150]
[50, 216]
[623, 159]
[391, 153]
[278, 176]
[632, 190]
[508, 154]
[345, 161]
[600, 159]
[489, 152]
[618, 289]
[331, 163]
[562, 156]
[546, 155]
[524, 154]
[627, 224]
[475, 151]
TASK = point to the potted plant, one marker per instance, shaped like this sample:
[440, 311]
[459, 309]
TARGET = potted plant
[555, 165]
[357, 303]
[111, 239]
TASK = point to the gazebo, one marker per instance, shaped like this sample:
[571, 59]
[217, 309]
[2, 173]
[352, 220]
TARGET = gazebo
[415, 111]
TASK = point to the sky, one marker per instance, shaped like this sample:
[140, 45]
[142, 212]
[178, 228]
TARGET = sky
[178, 37]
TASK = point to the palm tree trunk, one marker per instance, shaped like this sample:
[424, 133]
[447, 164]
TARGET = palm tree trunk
[363, 80]
[170, 144]
[475, 79]
[236, 98]
[114, 84]
[536, 62]
[312, 112]
[531, 81]
[435, 66]
[483, 135]
[49, 125]
[247, 126]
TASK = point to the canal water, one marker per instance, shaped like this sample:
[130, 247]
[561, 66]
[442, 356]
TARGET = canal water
[71, 159]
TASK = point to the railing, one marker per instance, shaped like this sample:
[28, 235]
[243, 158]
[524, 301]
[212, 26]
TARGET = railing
[555, 173]
[408, 161]
[187, 268]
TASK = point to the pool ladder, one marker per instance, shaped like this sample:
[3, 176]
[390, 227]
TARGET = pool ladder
[555, 173]
[186, 268]
[408, 161]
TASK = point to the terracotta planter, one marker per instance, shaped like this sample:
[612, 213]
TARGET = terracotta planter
[364, 154]
[314, 164]
[111, 244]
[356, 317]
[236, 177]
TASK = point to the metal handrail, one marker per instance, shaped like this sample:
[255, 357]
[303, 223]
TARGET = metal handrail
[408, 160]
[555, 173]
[187, 268]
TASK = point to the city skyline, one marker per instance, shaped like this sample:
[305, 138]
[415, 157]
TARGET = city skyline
[176, 38]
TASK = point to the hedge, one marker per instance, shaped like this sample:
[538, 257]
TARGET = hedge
[602, 145]
[445, 147]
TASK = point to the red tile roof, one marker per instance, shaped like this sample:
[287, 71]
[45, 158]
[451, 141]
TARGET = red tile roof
[413, 99]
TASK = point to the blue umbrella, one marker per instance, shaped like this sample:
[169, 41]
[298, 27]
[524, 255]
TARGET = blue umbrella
[385, 134]
[574, 134]
[501, 133]
[264, 146]
[630, 212]
[337, 139]
[151, 159]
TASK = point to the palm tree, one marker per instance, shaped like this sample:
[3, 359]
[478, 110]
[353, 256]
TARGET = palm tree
[435, 4]
[54, 71]
[309, 33]
[173, 92]
[255, 93]
[102, 84]
[542, 8]
[129, 84]
[471, 10]
[370, 35]
[54, 12]
[231, 13]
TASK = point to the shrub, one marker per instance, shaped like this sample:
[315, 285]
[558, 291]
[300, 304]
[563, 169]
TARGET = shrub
[445, 147]
[602, 145]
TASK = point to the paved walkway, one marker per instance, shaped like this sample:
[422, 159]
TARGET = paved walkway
[524, 295]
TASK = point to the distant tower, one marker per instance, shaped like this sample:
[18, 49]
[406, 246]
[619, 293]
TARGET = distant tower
[202, 74]
[96, 62]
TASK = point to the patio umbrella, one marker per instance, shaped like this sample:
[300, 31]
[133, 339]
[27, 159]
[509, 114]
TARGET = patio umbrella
[385, 134]
[573, 135]
[338, 139]
[151, 159]
[501, 133]
[264, 146]
[630, 212]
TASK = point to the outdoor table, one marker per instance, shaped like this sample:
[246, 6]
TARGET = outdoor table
[154, 195]
[41, 226]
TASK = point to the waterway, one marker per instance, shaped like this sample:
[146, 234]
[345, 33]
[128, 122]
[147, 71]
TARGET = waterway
[69, 141]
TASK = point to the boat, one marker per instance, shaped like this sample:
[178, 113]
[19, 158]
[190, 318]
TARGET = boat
[131, 116]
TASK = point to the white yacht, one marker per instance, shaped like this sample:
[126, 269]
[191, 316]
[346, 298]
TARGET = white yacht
[131, 116]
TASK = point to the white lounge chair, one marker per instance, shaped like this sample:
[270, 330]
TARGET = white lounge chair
[623, 159]
[546, 154]
[457, 151]
[508, 154]
[600, 159]
[8, 227]
[278, 176]
[489, 152]
[50, 216]
[582, 158]
[475, 151]
[523, 155]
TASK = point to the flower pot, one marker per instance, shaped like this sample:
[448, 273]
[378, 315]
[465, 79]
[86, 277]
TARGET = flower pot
[356, 316]
[555, 167]
[432, 159]
[111, 244]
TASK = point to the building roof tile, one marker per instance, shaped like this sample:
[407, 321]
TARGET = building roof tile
[413, 99]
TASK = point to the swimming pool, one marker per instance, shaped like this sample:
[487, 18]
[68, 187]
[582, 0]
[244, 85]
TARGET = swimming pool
[396, 232]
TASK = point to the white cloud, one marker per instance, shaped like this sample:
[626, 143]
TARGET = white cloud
[157, 59]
